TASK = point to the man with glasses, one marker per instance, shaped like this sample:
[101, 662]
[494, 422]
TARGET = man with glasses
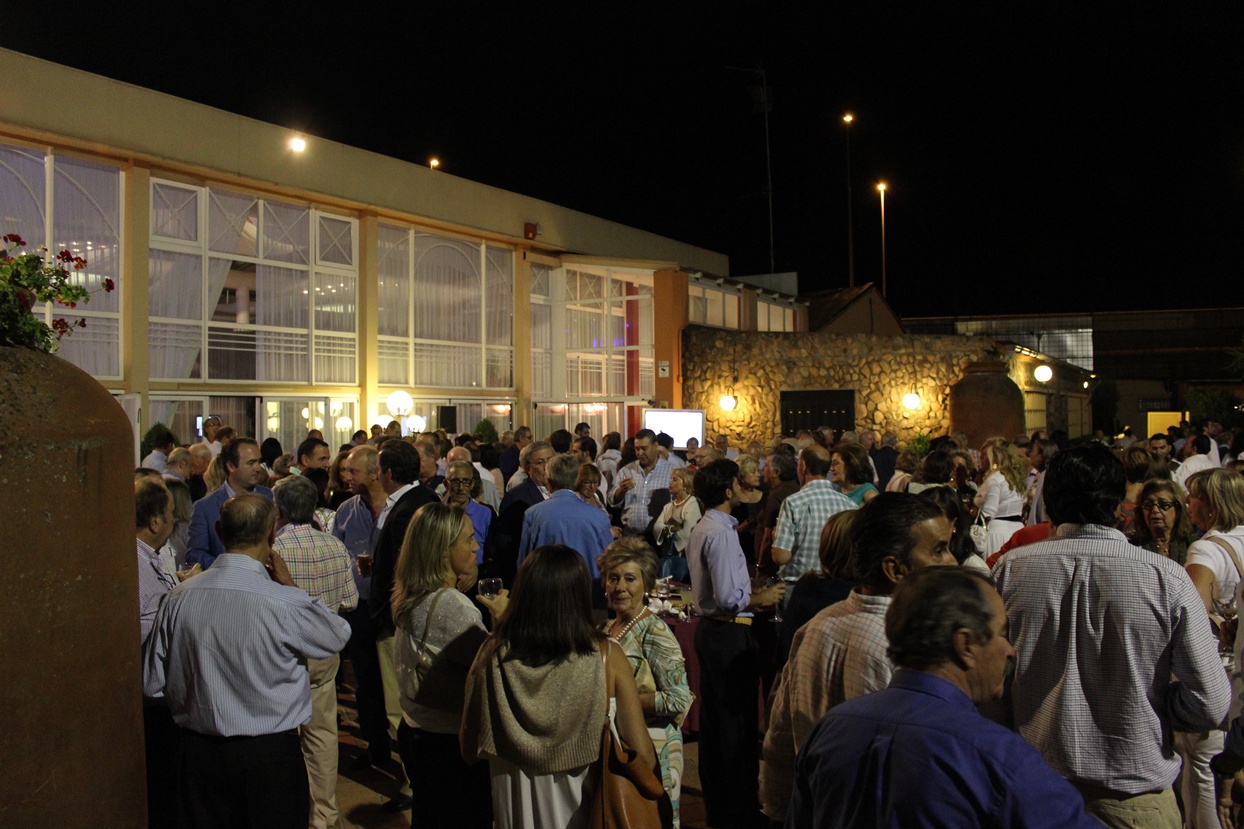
[501, 549]
[459, 483]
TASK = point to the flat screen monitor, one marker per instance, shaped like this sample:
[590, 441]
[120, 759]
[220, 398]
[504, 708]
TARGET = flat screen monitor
[680, 424]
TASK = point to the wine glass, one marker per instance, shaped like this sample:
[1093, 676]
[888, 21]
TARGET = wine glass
[490, 588]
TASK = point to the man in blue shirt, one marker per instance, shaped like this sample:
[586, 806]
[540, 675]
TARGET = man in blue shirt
[728, 653]
[918, 753]
[244, 468]
[565, 518]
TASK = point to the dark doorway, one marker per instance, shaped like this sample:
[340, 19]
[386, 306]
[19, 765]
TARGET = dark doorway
[821, 407]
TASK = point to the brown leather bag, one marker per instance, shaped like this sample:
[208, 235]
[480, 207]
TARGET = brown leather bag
[628, 795]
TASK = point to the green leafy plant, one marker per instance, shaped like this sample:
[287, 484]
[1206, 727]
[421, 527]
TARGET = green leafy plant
[921, 443]
[28, 278]
[487, 431]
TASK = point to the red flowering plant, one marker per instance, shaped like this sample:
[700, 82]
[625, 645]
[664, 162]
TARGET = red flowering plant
[27, 278]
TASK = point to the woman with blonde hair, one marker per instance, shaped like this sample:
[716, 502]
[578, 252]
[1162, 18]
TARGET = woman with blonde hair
[1000, 500]
[1215, 505]
[215, 475]
[439, 632]
[628, 570]
[672, 528]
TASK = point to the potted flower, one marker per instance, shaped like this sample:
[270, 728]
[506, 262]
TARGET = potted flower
[28, 278]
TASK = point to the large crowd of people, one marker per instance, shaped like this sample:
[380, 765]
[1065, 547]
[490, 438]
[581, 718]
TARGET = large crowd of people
[1026, 632]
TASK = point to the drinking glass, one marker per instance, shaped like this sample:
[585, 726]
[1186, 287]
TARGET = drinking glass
[490, 588]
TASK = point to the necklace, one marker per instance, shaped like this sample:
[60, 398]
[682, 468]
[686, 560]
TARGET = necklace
[617, 637]
[678, 503]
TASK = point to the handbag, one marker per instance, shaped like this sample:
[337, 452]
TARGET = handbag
[422, 685]
[979, 532]
[628, 795]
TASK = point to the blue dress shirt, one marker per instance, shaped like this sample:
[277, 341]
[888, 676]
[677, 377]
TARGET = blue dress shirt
[356, 528]
[229, 650]
[918, 754]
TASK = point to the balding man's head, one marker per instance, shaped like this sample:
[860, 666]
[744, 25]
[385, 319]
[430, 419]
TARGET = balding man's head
[246, 522]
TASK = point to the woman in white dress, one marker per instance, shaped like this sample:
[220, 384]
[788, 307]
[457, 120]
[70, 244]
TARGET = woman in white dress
[1001, 497]
[539, 694]
[1216, 505]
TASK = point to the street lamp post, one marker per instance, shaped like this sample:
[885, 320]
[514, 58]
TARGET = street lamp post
[848, 119]
[881, 190]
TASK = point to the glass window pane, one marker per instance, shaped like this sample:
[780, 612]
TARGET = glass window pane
[394, 289]
[286, 233]
[335, 303]
[173, 351]
[86, 220]
[732, 311]
[335, 240]
[584, 327]
[176, 285]
[23, 195]
[281, 297]
[96, 348]
[540, 280]
[174, 211]
[232, 223]
[715, 314]
[447, 288]
[499, 302]
[541, 326]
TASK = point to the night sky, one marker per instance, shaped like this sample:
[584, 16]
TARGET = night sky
[1039, 157]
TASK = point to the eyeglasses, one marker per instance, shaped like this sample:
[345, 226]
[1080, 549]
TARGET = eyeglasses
[1162, 505]
[459, 481]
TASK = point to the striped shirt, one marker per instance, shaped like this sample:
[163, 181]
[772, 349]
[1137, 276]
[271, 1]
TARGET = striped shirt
[647, 498]
[839, 655]
[319, 564]
[229, 647]
[800, 522]
[1099, 629]
[153, 585]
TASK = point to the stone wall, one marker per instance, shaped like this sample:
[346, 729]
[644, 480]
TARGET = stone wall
[879, 369]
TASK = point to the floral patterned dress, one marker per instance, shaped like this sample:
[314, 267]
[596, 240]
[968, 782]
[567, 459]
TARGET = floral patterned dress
[658, 664]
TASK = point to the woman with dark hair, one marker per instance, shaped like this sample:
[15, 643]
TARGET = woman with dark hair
[905, 466]
[489, 457]
[338, 490]
[541, 690]
[1163, 526]
[936, 470]
[852, 473]
[269, 451]
[961, 544]
[439, 626]
[1137, 468]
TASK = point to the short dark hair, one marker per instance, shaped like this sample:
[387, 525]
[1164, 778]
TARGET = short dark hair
[399, 459]
[613, 440]
[587, 445]
[560, 440]
[161, 436]
[307, 448]
[229, 454]
[926, 610]
[359, 434]
[816, 459]
[1201, 442]
[712, 481]
[522, 433]
[550, 612]
[1084, 485]
[646, 434]
[246, 520]
[151, 499]
[883, 528]
[1159, 436]
[579, 427]
[784, 465]
[269, 451]
[665, 441]
[296, 498]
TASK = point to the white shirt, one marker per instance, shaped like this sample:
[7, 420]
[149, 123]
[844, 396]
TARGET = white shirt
[390, 501]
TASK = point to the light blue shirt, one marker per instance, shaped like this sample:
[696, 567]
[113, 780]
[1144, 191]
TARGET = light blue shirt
[356, 528]
[719, 580]
[153, 585]
[228, 650]
[481, 519]
[565, 518]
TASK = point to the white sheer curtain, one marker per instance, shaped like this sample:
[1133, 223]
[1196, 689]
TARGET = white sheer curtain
[394, 289]
[447, 290]
[23, 195]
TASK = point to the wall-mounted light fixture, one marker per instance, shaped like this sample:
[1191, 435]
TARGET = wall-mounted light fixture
[911, 400]
[1042, 374]
[297, 144]
[728, 402]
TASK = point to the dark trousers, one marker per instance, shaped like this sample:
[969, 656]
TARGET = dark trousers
[161, 737]
[729, 722]
[361, 650]
[448, 793]
[235, 782]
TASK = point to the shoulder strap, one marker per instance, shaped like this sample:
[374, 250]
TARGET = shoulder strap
[1235, 557]
[427, 623]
